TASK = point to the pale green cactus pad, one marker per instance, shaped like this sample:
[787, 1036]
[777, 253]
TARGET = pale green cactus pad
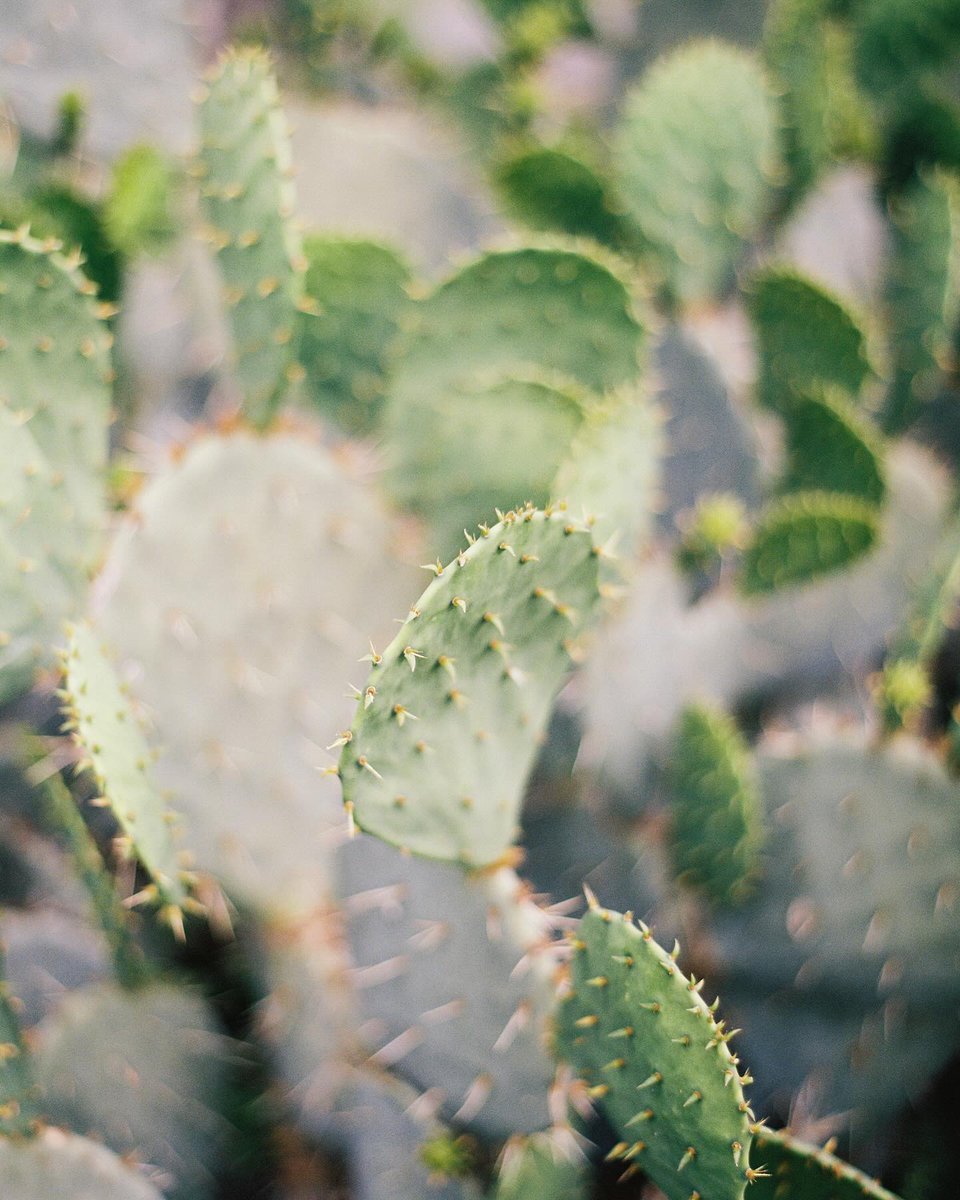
[62, 1166]
[539, 1168]
[920, 294]
[454, 976]
[241, 595]
[450, 717]
[797, 1171]
[552, 190]
[832, 448]
[805, 336]
[715, 806]
[696, 160]
[355, 301]
[470, 450]
[804, 535]
[244, 169]
[656, 1060]
[105, 726]
[17, 1091]
[143, 1071]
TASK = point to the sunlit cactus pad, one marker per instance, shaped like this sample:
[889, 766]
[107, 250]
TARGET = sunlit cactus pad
[449, 720]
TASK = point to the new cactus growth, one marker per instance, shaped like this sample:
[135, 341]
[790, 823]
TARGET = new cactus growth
[831, 448]
[448, 721]
[656, 1060]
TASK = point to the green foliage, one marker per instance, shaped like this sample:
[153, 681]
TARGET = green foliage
[356, 301]
[718, 527]
[138, 211]
[804, 535]
[832, 448]
[805, 337]
[61, 1166]
[448, 721]
[656, 1060]
[898, 42]
[696, 160]
[798, 1171]
[550, 189]
[717, 831]
[17, 1088]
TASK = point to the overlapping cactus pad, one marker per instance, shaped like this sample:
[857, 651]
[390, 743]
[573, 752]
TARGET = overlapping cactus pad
[17, 1092]
[657, 1061]
[448, 722]
[797, 1171]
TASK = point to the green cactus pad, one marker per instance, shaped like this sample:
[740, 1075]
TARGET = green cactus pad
[919, 295]
[142, 1071]
[62, 1166]
[899, 41]
[356, 297]
[715, 806]
[696, 160]
[611, 475]
[804, 535]
[538, 1168]
[805, 336]
[656, 1060]
[465, 453]
[831, 448]
[553, 307]
[105, 726]
[240, 596]
[138, 209]
[553, 191]
[17, 1091]
[248, 202]
[449, 721]
[454, 983]
[797, 1171]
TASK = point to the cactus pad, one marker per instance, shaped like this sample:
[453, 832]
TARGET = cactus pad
[656, 1060]
[537, 1168]
[17, 1092]
[106, 728]
[244, 178]
[831, 448]
[449, 720]
[804, 535]
[697, 158]
[356, 298]
[715, 805]
[551, 190]
[61, 1166]
[801, 1172]
[805, 336]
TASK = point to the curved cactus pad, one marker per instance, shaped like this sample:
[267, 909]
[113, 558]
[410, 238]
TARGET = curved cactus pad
[801, 1172]
[696, 159]
[805, 535]
[805, 336]
[105, 726]
[549, 189]
[657, 1061]
[448, 724]
[61, 1166]
[537, 1168]
[715, 802]
[831, 448]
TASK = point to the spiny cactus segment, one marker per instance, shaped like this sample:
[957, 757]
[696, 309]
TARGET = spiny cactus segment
[17, 1088]
[715, 806]
[355, 301]
[832, 448]
[806, 534]
[657, 1061]
[696, 160]
[102, 722]
[243, 171]
[798, 1171]
[448, 722]
[538, 1168]
[62, 1166]
[805, 337]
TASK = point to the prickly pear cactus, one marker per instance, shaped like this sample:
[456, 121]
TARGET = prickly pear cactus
[106, 728]
[540, 1168]
[243, 170]
[696, 161]
[656, 1060]
[830, 447]
[715, 806]
[246, 565]
[448, 721]
[17, 1089]
[62, 1166]
[801, 1172]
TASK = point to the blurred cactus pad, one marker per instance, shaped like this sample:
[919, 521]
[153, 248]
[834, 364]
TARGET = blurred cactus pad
[480, 600]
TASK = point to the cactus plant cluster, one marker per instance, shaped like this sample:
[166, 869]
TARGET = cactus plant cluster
[325, 660]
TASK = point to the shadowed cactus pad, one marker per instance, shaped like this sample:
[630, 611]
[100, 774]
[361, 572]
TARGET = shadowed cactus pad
[61, 1166]
[449, 720]
[17, 1093]
[715, 805]
[656, 1061]
[551, 190]
[244, 172]
[538, 1168]
[832, 448]
[696, 159]
[801, 1172]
